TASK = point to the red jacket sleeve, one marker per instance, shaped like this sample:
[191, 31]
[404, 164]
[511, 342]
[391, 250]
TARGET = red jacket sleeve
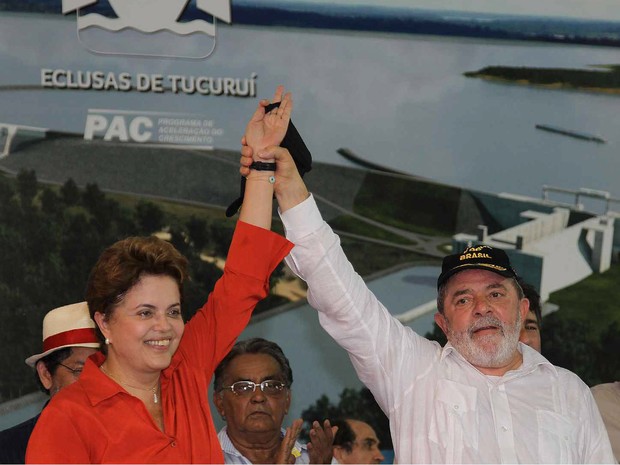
[253, 255]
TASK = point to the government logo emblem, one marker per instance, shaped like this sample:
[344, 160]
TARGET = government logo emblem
[156, 28]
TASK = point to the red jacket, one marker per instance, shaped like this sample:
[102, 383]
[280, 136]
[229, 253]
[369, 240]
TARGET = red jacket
[94, 420]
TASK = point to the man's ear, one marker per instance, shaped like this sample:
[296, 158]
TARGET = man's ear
[219, 404]
[441, 322]
[288, 401]
[524, 308]
[338, 453]
[44, 375]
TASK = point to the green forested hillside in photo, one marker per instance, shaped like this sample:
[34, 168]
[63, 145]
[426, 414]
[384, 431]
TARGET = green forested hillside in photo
[51, 237]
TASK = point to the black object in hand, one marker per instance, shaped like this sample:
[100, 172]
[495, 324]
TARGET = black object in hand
[294, 144]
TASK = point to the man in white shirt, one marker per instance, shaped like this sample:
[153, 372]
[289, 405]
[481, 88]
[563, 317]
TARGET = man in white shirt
[483, 398]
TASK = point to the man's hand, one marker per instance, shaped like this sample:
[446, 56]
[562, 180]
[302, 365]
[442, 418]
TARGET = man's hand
[320, 447]
[290, 189]
[266, 129]
[286, 454]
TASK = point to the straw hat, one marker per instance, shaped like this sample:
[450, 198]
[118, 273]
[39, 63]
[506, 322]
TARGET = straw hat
[68, 326]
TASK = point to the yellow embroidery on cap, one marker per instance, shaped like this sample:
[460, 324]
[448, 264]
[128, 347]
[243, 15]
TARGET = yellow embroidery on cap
[486, 265]
[468, 256]
[476, 249]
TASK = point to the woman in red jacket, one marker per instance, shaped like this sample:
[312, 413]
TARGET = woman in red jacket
[143, 398]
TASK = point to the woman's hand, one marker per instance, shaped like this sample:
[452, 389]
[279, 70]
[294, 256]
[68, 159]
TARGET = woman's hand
[266, 129]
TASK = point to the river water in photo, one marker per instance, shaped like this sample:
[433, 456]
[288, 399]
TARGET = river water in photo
[397, 100]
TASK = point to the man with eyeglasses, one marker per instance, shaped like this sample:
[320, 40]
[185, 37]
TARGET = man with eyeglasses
[356, 442]
[251, 391]
[68, 340]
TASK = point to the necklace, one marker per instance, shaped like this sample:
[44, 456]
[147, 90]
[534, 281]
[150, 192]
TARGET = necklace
[153, 389]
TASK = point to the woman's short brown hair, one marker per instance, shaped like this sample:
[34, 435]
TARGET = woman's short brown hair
[121, 266]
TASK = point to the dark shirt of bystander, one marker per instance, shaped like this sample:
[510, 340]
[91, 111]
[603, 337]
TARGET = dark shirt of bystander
[14, 440]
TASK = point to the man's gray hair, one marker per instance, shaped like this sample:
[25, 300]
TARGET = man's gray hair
[255, 345]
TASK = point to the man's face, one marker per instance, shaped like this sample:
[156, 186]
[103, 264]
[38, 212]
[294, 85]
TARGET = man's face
[530, 332]
[482, 319]
[254, 416]
[365, 448]
[67, 373]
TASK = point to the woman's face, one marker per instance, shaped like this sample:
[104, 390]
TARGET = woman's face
[145, 329]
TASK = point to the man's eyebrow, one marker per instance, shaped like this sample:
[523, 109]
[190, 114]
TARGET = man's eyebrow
[491, 286]
[461, 292]
[496, 286]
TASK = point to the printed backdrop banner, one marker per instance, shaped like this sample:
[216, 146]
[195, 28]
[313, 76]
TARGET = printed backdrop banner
[430, 117]
[386, 82]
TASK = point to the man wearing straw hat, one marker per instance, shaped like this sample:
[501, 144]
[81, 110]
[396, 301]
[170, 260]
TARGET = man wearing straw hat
[68, 340]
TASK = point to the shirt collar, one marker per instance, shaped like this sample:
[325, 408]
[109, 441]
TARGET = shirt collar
[229, 448]
[532, 359]
[99, 387]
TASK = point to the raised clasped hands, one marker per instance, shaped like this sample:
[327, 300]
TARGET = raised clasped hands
[268, 129]
[290, 189]
[264, 133]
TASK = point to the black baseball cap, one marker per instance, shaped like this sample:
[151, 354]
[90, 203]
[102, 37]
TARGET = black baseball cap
[482, 257]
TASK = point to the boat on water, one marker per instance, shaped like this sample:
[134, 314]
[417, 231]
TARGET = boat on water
[571, 133]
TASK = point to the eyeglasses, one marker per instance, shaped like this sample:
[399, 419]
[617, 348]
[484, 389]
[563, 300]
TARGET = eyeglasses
[270, 387]
[76, 372]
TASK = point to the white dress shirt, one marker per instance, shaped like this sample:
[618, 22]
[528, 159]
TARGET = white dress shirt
[607, 397]
[232, 455]
[441, 408]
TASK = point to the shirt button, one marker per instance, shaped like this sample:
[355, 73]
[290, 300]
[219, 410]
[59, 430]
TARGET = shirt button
[173, 444]
[504, 429]
[456, 407]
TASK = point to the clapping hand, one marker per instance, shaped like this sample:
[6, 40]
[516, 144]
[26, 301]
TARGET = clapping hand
[320, 447]
[285, 454]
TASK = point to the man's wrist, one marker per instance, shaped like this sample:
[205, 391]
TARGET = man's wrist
[290, 197]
